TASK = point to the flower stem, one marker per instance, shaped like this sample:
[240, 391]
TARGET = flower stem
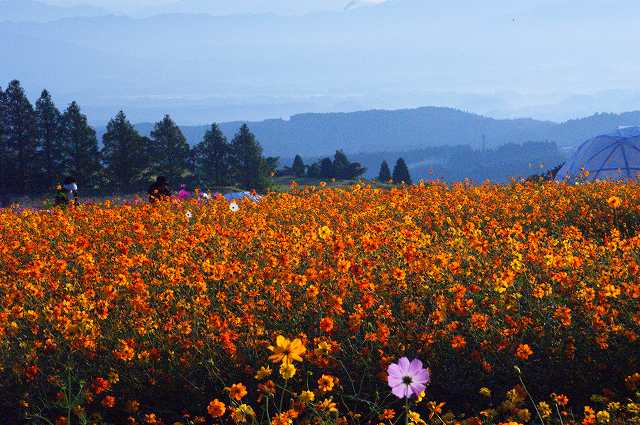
[406, 410]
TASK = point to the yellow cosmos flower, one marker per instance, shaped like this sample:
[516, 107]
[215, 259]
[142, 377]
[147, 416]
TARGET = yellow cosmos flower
[614, 202]
[325, 233]
[263, 373]
[327, 405]
[307, 397]
[286, 351]
[287, 370]
[241, 413]
[324, 348]
[603, 417]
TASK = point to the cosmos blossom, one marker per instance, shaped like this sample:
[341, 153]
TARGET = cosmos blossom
[407, 378]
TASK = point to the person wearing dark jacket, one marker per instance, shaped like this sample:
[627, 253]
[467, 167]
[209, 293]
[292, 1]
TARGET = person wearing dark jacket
[61, 198]
[158, 190]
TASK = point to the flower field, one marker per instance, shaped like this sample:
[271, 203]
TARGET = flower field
[522, 301]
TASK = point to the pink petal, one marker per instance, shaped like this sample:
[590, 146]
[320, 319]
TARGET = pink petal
[400, 391]
[394, 370]
[394, 380]
[416, 389]
[416, 366]
[404, 364]
[421, 377]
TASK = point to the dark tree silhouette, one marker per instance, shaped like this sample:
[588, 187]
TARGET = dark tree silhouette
[80, 154]
[212, 157]
[401, 172]
[384, 175]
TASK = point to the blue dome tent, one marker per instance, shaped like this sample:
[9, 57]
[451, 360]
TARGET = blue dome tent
[614, 156]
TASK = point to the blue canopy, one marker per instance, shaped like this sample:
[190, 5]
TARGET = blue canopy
[240, 195]
[614, 156]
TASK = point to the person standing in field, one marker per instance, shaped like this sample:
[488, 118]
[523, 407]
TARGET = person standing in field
[158, 190]
[71, 188]
[61, 199]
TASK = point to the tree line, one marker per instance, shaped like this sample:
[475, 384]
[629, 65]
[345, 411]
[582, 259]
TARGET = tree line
[340, 168]
[41, 145]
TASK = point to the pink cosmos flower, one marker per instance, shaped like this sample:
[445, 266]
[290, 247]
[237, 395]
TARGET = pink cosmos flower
[183, 194]
[407, 378]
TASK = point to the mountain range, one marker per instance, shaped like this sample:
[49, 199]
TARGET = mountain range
[35, 11]
[506, 59]
[314, 135]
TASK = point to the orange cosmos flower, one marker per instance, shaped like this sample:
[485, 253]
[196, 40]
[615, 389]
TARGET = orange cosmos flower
[216, 408]
[326, 324]
[523, 352]
[237, 391]
[458, 342]
[326, 383]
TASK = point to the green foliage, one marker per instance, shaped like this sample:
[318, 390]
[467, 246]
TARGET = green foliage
[80, 154]
[125, 155]
[249, 168]
[298, 168]
[401, 172]
[49, 140]
[21, 144]
[340, 168]
[385, 174]
[211, 158]
[4, 165]
[326, 169]
[169, 150]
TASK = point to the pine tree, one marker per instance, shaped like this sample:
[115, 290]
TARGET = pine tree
[401, 172]
[125, 155]
[341, 165]
[49, 134]
[385, 174]
[298, 167]
[4, 160]
[313, 171]
[250, 169]
[326, 169]
[81, 157]
[169, 150]
[21, 141]
[212, 157]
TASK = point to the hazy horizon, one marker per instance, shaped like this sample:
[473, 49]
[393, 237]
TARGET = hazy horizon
[543, 59]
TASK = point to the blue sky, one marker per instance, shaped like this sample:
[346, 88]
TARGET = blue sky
[275, 6]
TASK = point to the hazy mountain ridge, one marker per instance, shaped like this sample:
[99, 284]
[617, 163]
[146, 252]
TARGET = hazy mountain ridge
[313, 135]
[35, 11]
[321, 61]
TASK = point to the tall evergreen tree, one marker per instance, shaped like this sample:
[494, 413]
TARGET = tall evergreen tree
[21, 140]
[326, 169]
[385, 174]
[81, 157]
[125, 155]
[341, 165]
[4, 160]
[49, 134]
[313, 171]
[298, 167]
[251, 170]
[212, 157]
[401, 172]
[169, 150]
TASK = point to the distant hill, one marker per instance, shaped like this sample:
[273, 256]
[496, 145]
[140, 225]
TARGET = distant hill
[313, 135]
[497, 59]
[35, 11]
